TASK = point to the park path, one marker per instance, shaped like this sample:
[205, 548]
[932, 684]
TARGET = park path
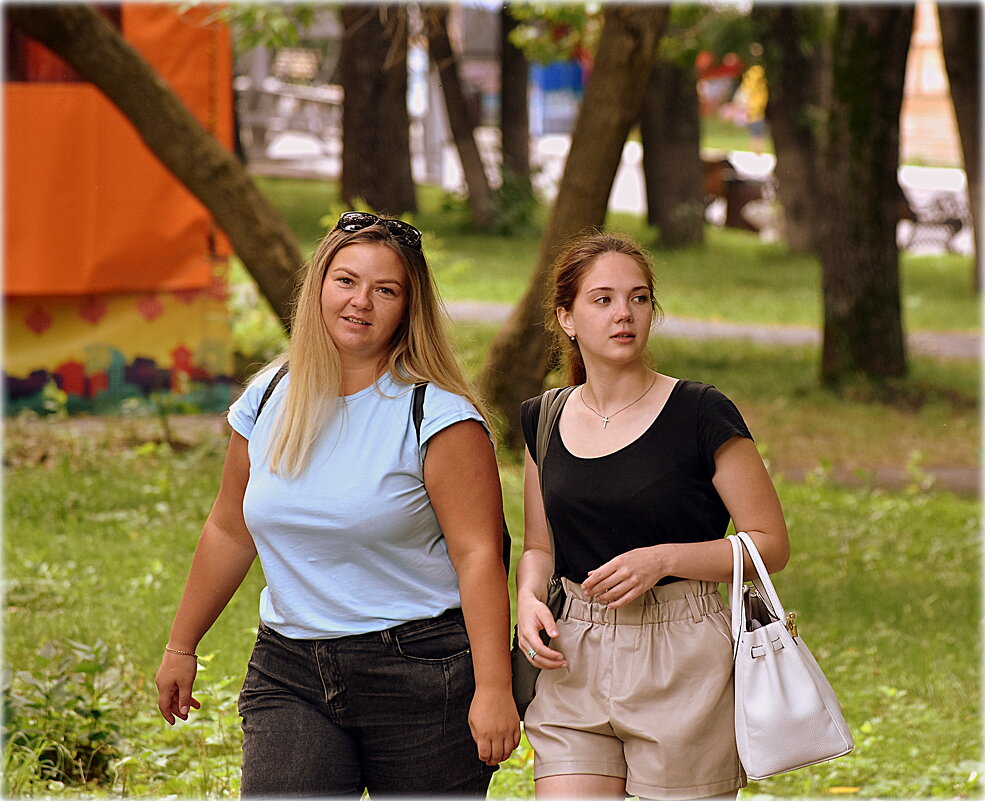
[939, 344]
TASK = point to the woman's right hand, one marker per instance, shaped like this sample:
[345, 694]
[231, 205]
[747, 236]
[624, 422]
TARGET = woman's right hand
[222, 559]
[533, 617]
[175, 678]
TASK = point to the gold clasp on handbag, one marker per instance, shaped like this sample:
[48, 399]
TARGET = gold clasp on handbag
[792, 623]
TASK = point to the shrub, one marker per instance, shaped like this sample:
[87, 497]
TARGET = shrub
[63, 723]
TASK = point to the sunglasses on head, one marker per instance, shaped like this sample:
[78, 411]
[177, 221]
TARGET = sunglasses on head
[404, 233]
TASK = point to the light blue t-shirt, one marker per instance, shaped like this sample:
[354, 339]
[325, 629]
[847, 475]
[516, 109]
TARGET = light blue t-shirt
[352, 545]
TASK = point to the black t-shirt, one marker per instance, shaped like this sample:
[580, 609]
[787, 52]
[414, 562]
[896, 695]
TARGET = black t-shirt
[655, 490]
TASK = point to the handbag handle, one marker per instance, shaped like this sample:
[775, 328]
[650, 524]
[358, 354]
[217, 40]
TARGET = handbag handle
[760, 578]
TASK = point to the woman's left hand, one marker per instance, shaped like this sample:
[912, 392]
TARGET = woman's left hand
[626, 577]
[495, 724]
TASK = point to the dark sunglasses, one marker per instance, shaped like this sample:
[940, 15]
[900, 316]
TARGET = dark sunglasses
[405, 233]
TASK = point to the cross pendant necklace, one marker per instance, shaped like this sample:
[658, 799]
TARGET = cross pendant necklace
[607, 417]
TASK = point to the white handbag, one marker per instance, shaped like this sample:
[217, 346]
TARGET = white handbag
[786, 714]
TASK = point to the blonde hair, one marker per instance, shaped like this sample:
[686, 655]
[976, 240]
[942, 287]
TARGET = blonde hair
[570, 267]
[419, 351]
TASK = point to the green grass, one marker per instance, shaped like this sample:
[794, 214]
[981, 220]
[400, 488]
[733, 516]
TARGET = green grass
[722, 135]
[932, 418]
[734, 277]
[885, 584]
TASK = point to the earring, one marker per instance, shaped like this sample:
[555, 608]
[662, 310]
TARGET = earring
[571, 338]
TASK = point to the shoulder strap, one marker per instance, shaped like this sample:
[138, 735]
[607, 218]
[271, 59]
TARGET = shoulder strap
[417, 408]
[551, 404]
[417, 413]
[270, 390]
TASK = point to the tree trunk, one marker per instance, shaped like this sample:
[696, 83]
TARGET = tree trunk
[514, 113]
[375, 122]
[482, 205]
[960, 28]
[518, 361]
[863, 328]
[797, 59]
[670, 128]
[261, 238]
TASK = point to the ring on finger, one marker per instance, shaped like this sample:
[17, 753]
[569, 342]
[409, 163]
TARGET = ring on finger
[531, 653]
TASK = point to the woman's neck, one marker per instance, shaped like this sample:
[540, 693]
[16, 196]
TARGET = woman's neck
[356, 377]
[610, 387]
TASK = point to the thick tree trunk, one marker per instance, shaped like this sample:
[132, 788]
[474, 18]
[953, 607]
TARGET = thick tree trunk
[514, 113]
[261, 238]
[518, 357]
[375, 122]
[863, 327]
[670, 128]
[960, 37]
[482, 205]
[797, 61]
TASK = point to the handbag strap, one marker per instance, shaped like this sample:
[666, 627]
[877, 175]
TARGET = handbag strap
[551, 403]
[760, 577]
[735, 591]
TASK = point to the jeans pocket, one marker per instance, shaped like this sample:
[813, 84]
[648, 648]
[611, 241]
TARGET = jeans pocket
[262, 632]
[437, 642]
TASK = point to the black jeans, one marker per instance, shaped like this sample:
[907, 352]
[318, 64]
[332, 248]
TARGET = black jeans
[385, 712]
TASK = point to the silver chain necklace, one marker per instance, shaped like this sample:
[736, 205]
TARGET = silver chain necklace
[607, 417]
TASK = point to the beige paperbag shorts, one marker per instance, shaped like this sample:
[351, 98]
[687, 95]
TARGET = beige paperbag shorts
[647, 695]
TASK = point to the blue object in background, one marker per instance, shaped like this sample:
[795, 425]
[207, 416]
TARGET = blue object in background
[558, 76]
[555, 92]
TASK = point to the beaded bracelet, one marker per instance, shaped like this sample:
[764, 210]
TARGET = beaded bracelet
[171, 650]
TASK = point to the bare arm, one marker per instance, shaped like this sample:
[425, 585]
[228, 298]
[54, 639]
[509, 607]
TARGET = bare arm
[747, 491]
[222, 559]
[462, 479]
[533, 574]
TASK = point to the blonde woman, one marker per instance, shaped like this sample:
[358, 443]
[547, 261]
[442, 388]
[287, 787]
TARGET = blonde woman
[641, 476]
[382, 656]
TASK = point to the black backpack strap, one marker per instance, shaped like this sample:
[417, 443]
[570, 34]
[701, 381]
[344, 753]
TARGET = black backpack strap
[270, 390]
[417, 413]
[417, 408]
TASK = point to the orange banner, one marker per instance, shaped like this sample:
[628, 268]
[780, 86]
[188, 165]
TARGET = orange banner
[88, 208]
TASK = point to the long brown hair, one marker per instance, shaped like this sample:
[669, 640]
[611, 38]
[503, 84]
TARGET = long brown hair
[575, 260]
[419, 351]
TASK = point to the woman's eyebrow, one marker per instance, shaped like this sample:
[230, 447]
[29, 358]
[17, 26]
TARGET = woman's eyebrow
[610, 289]
[343, 269]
